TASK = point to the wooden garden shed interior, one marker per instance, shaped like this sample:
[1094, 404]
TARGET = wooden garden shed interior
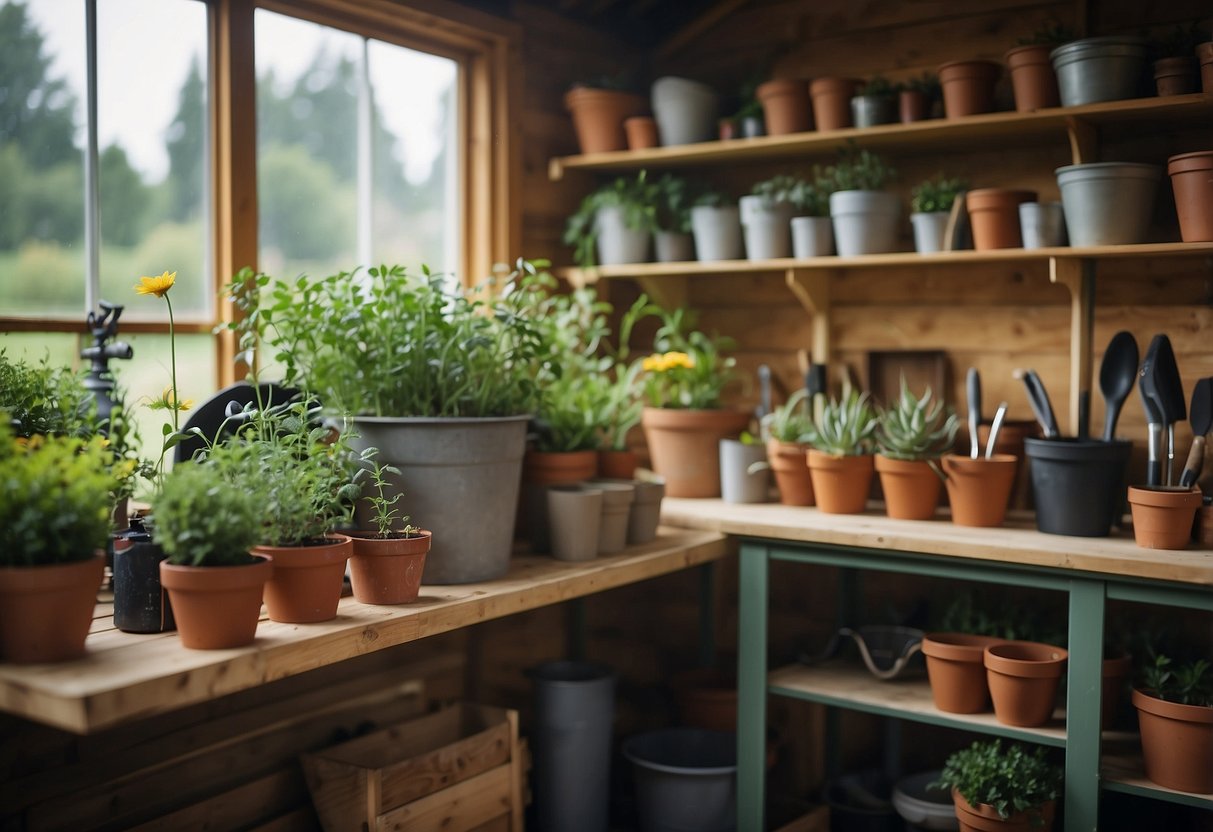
[193, 745]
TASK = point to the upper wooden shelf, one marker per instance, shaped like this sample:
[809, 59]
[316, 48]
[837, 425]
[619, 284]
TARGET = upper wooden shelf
[125, 677]
[1196, 109]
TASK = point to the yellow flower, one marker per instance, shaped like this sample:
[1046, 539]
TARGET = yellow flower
[653, 364]
[678, 359]
[168, 401]
[157, 286]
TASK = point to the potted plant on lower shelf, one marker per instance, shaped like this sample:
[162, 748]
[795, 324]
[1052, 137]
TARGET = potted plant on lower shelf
[1174, 705]
[930, 208]
[673, 240]
[766, 218]
[840, 459]
[911, 437]
[786, 430]
[716, 227]
[387, 563]
[207, 527]
[812, 230]
[865, 216]
[615, 223]
[995, 788]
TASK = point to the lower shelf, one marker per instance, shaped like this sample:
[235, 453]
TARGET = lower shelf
[1126, 774]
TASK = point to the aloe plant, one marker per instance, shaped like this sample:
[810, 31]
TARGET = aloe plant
[916, 428]
[791, 421]
[846, 427]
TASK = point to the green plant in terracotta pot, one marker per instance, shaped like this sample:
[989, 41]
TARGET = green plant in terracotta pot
[387, 562]
[912, 436]
[1174, 702]
[55, 501]
[930, 208]
[615, 223]
[993, 786]
[840, 459]
[1173, 53]
[786, 430]
[918, 98]
[1033, 79]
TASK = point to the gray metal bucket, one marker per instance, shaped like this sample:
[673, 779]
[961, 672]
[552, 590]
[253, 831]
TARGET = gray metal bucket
[460, 480]
[1100, 69]
[686, 780]
[1108, 203]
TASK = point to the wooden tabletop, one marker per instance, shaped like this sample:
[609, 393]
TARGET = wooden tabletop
[1017, 542]
[125, 676]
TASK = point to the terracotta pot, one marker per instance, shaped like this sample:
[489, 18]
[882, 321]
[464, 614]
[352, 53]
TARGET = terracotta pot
[1177, 76]
[1176, 743]
[641, 132]
[832, 101]
[1162, 519]
[1113, 673]
[685, 446]
[911, 488]
[1010, 441]
[912, 105]
[646, 511]
[994, 215]
[786, 106]
[1192, 181]
[598, 117]
[790, 462]
[540, 471]
[968, 87]
[387, 571]
[978, 489]
[1023, 678]
[1204, 54]
[617, 465]
[956, 671]
[46, 611]
[306, 584]
[840, 483]
[985, 818]
[217, 607]
[1032, 78]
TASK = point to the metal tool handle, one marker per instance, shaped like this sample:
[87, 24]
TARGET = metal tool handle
[995, 427]
[1194, 464]
[973, 388]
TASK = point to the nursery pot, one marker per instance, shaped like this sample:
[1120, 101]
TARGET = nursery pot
[1032, 78]
[1078, 484]
[737, 483]
[1107, 203]
[923, 806]
[617, 499]
[912, 105]
[930, 231]
[1192, 181]
[449, 467]
[786, 106]
[865, 222]
[1042, 224]
[685, 110]
[1177, 76]
[956, 671]
[790, 462]
[686, 778]
[812, 237]
[575, 520]
[217, 607]
[1204, 54]
[598, 117]
[641, 132]
[871, 110]
[306, 584]
[617, 465]
[1162, 517]
[574, 712]
[985, 818]
[978, 489]
[717, 232]
[840, 483]
[994, 216]
[674, 247]
[388, 570]
[46, 611]
[911, 487]
[768, 227]
[684, 445]
[1023, 678]
[140, 603]
[832, 102]
[617, 242]
[1099, 69]
[540, 471]
[646, 511]
[968, 87]
[1176, 743]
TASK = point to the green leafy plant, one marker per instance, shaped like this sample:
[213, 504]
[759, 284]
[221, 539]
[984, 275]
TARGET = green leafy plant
[688, 369]
[637, 197]
[383, 507]
[936, 194]
[791, 421]
[711, 198]
[1012, 780]
[916, 429]
[675, 197]
[927, 84]
[55, 498]
[1188, 683]
[41, 399]
[846, 427]
[879, 86]
[984, 615]
[205, 519]
[778, 188]
[1052, 33]
[811, 197]
[860, 170]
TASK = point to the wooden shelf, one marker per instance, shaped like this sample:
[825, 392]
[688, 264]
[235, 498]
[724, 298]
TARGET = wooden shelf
[126, 677]
[989, 128]
[1127, 774]
[851, 686]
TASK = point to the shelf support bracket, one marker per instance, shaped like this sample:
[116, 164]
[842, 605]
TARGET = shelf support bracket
[580, 278]
[812, 288]
[1084, 141]
[1078, 276]
[667, 291]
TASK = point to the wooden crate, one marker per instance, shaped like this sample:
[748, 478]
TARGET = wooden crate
[455, 770]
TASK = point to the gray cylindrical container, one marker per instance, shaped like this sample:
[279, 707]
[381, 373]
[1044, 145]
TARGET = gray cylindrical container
[1108, 203]
[574, 713]
[717, 231]
[812, 237]
[871, 110]
[1100, 69]
[686, 779]
[1043, 224]
[674, 247]
[617, 243]
[768, 227]
[930, 230]
[737, 483]
[865, 222]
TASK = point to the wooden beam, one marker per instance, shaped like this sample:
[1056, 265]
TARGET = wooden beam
[698, 26]
[1078, 276]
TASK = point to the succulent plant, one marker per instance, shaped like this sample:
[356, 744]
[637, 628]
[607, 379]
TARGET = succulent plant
[846, 426]
[791, 421]
[915, 428]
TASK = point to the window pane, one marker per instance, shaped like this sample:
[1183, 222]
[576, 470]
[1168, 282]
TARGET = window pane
[152, 139]
[307, 105]
[414, 144]
[42, 83]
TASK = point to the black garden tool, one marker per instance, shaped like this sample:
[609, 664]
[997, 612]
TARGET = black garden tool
[1201, 417]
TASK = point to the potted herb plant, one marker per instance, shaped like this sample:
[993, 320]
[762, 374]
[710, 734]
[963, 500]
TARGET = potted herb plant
[745, 476]
[1174, 703]
[865, 216]
[387, 563]
[766, 218]
[931, 206]
[1033, 80]
[622, 407]
[786, 430]
[716, 226]
[875, 102]
[55, 501]
[840, 461]
[675, 196]
[615, 223]
[912, 435]
[207, 527]
[786, 105]
[812, 231]
[599, 109]
[995, 788]
[918, 98]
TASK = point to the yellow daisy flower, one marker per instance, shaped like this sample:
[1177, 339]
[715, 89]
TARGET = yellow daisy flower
[157, 286]
[167, 401]
[653, 364]
[678, 359]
